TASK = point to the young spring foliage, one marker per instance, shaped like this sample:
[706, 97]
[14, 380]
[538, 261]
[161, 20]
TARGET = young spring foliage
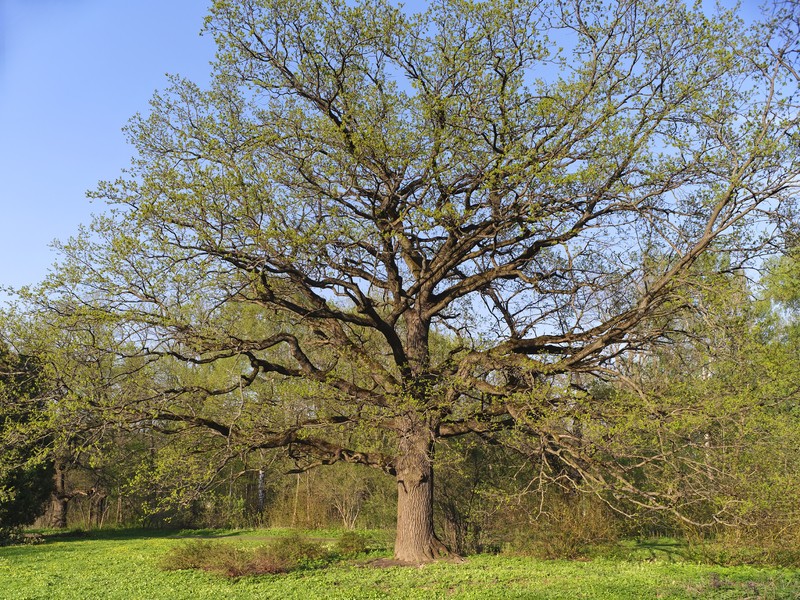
[428, 224]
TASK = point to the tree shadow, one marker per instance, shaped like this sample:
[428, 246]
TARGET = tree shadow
[132, 533]
[661, 549]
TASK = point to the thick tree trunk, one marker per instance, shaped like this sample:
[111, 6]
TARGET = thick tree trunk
[416, 541]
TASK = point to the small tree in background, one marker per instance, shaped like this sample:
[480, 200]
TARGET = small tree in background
[26, 471]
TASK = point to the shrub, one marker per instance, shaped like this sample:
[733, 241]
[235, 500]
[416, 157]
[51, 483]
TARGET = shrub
[297, 549]
[731, 551]
[568, 528]
[233, 562]
[190, 555]
[281, 556]
[352, 543]
[12, 536]
[25, 488]
[266, 561]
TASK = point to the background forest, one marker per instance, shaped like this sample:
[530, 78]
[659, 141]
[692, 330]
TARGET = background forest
[708, 422]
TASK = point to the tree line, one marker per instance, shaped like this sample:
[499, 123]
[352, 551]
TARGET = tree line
[702, 432]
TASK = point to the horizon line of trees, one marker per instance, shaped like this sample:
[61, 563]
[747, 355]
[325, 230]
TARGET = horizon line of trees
[710, 419]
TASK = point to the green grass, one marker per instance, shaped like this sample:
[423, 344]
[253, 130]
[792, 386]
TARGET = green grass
[125, 565]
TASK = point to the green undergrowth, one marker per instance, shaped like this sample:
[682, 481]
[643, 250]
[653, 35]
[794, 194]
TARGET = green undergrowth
[709, 552]
[282, 555]
[130, 565]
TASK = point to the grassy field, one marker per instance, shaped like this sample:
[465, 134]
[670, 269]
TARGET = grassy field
[125, 565]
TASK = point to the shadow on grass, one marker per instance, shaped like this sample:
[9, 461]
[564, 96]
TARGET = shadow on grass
[52, 536]
[648, 550]
[672, 549]
[45, 536]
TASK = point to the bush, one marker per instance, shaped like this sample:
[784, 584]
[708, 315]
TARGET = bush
[297, 549]
[729, 551]
[191, 555]
[24, 489]
[352, 543]
[281, 556]
[12, 536]
[569, 527]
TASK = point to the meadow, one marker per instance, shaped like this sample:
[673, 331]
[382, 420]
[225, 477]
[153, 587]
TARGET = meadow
[128, 564]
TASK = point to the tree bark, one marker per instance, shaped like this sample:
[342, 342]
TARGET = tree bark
[58, 512]
[60, 501]
[262, 491]
[416, 541]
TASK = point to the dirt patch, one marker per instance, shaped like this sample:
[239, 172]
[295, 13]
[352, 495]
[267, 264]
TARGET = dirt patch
[384, 563]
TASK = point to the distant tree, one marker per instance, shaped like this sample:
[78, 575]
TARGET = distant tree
[54, 388]
[26, 472]
[436, 224]
[709, 422]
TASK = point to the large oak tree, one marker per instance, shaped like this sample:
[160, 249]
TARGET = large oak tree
[430, 225]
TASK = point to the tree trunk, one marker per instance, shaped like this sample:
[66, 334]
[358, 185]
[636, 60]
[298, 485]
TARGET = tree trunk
[416, 541]
[60, 501]
[262, 491]
[58, 512]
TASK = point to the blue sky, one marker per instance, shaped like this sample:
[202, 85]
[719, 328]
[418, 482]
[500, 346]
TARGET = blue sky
[72, 72]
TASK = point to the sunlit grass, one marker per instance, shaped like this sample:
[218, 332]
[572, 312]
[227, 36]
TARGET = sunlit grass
[126, 565]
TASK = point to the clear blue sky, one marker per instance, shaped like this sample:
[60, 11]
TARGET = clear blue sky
[72, 72]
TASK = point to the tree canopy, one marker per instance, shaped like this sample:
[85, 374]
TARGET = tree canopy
[384, 228]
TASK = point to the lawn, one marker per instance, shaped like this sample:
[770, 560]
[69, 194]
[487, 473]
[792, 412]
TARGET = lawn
[125, 565]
